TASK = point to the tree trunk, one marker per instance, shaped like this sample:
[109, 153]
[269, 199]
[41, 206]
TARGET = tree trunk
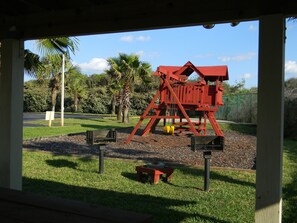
[54, 98]
[113, 104]
[54, 85]
[120, 107]
[75, 102]
[126, 103]
[125, 115]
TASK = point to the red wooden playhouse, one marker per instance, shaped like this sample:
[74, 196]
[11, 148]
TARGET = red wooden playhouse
[177, 96]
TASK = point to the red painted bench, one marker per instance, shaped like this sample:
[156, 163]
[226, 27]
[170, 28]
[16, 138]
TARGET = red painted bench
[154, 173]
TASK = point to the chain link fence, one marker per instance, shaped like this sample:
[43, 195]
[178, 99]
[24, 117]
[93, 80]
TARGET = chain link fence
[239, 108]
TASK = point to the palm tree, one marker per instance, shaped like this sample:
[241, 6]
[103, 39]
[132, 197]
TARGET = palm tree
[76, 85]
[32, 62]
[51, 50]
[128, 69]
[51, 70]
[114, 91]
[51, 46]
[57, 46]
[114, 87]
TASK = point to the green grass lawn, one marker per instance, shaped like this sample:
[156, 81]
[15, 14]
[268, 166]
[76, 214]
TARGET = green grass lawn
[290, 182]
[76, 125]
[73, 125]
[231, 199]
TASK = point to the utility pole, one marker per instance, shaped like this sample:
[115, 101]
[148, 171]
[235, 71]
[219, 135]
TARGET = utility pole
[62, 89]
[63, 77]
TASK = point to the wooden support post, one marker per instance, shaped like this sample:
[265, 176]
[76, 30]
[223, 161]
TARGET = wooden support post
[11, 113]
[270, 119]
[214, 123]
[151, 124]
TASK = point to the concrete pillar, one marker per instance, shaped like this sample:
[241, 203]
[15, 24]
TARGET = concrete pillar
[11, 113]
[270, 119]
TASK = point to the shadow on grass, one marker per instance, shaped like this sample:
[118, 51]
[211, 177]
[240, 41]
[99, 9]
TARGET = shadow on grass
[108, 119]
[290, 189]
[130, 176]
[85, 117]
[133, 177]
[216, 176]
[124, 156]
[231, 180]
[86, 158]
[60, 147]
[199, 173]
[61, 163]
[160, 208]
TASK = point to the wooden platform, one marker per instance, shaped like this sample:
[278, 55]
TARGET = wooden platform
[16, 206]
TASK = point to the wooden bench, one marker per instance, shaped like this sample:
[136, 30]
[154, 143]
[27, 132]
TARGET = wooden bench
[154, 173]
[99, 136]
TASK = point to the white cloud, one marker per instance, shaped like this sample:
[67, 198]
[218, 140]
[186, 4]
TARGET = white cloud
[291, 67]
[131, 38]
[128, 39]
[143, 38]
[242, 57]
[246, 75]
[94, 65]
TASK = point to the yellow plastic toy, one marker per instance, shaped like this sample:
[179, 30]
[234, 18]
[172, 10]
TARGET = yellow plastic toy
[169, 129]
[166, 129]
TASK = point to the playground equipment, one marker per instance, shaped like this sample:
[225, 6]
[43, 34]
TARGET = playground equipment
[177, 96]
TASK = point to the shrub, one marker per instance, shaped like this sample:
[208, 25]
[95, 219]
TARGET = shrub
[290, 116]
[96, 103]
[139, 102]
[36, 100]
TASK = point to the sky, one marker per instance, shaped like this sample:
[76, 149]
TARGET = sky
[236, 47]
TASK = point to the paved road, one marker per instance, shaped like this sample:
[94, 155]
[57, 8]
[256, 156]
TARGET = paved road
[41, 116]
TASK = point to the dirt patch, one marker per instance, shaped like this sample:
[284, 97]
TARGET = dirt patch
[239, 150]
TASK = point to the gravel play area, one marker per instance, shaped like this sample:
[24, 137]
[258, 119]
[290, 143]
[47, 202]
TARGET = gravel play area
[239, 151]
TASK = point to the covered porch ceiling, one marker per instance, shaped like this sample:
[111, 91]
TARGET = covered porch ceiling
[33, 19]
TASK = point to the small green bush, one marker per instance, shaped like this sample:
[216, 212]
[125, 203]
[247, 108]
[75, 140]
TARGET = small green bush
[96, 103]
[139, 103]
[290, 117]
[36, 101]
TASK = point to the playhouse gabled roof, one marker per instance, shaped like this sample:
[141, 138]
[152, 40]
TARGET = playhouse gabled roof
[212, 72]
[208, 73]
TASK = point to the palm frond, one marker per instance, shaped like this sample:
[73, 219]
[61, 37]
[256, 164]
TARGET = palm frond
[32, 63]
[57, 45]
